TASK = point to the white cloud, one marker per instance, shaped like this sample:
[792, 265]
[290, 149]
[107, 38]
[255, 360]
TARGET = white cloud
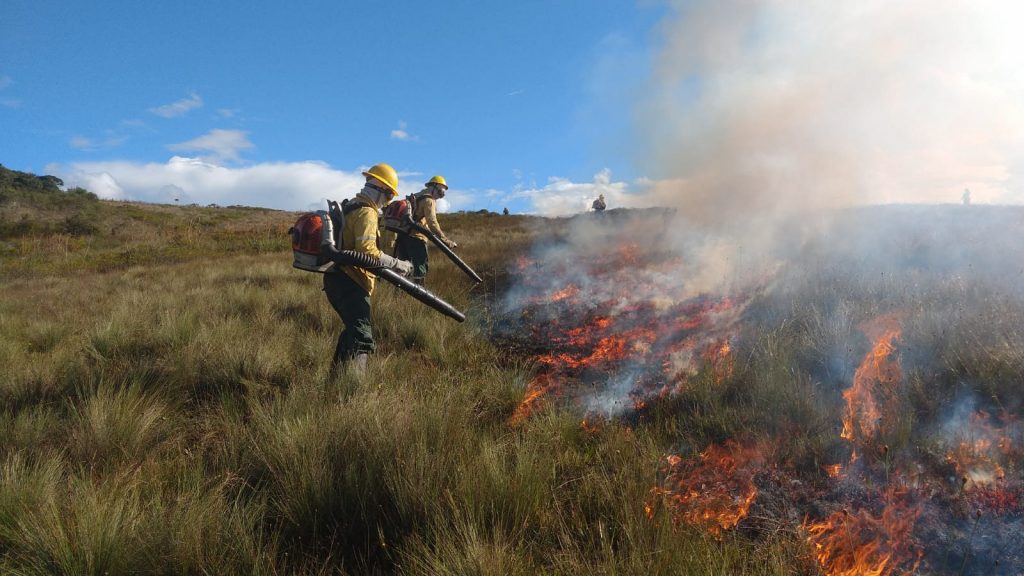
[222, 145]
[562, 197]
[286, 185]
[82, 143]
[112, 139]
[179, 108]
[401, 133]
[227, 112]
[305, 185]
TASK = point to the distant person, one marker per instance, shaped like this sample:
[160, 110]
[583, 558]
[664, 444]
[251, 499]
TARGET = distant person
[504, 211]
[413, 246]
[599, 204]
[967, 197]
[349, 288]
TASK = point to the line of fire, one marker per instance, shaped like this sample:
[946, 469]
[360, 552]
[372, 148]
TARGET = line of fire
[844, 385]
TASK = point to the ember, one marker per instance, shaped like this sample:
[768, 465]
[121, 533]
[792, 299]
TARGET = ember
[713, 490]
[983, 449]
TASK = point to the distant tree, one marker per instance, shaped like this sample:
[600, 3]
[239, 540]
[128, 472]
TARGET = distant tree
[51, 182]
[82, 192]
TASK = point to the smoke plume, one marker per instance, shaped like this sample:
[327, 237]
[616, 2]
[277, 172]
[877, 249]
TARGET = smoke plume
[772, 107]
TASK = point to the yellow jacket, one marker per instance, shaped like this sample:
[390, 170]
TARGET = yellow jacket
[360, 234]
[425, 214]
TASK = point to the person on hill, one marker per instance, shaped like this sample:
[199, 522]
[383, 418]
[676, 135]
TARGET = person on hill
[599, 204]
[349, 288]
[413, 246]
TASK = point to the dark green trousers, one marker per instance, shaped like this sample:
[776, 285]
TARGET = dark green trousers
[352, 303]
[415, 251]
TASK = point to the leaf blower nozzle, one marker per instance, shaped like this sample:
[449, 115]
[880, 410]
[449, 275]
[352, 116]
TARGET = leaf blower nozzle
[373, 264]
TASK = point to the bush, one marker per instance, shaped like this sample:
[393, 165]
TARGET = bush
[79, 225]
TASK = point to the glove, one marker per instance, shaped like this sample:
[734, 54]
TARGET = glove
[403, 267]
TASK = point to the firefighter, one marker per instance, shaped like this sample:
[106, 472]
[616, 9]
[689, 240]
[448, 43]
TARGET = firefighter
[349, 289]
[413, 246]
[599, 204]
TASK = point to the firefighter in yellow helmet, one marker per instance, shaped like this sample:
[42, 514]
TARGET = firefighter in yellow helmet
[349, 288]
[413, 246]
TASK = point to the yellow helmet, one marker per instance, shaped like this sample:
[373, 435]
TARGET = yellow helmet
[384, 174]
[437, 180]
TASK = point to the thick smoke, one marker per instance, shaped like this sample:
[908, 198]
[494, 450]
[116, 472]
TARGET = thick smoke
[763, 109]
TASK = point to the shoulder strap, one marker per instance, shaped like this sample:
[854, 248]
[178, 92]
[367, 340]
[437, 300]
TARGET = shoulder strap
[352, 205]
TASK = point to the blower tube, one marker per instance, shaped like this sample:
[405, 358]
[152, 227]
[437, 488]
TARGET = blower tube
[444, 248]
[373, 264]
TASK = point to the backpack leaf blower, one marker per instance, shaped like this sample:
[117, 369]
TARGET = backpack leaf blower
[314, 248]
[398, 218]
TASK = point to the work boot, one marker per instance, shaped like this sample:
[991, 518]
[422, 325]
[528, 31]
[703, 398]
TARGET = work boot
[359, 363]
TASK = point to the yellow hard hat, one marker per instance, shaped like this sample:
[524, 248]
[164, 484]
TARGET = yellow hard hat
[437, 180]
[384, 174]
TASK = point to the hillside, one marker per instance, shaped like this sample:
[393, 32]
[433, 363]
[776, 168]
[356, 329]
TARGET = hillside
[44, 230]
[844, 401]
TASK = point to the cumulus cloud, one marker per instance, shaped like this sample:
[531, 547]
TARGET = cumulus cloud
[770, 106]
[401, 133]
[179, 108]
[286, 185]
[221, 145]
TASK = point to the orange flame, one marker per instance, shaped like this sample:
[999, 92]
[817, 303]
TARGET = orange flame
[862, 544]
[879, 372]
[721, 360]
[983, 449]
[535, 390]
[569, 291]
[714, 490]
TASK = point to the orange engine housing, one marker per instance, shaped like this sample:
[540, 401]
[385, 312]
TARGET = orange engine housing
[310, 232]
[307, 233]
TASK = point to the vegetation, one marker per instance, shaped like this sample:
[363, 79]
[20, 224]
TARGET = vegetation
[165, 408]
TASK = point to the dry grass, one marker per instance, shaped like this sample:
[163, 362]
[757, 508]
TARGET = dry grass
[177, 417]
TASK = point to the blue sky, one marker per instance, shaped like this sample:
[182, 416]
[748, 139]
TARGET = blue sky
[499, 97]
[715, 107]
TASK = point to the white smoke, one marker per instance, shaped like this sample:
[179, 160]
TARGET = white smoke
[766, 107]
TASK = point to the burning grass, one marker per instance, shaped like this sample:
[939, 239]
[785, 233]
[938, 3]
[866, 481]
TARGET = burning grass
[873, 447]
